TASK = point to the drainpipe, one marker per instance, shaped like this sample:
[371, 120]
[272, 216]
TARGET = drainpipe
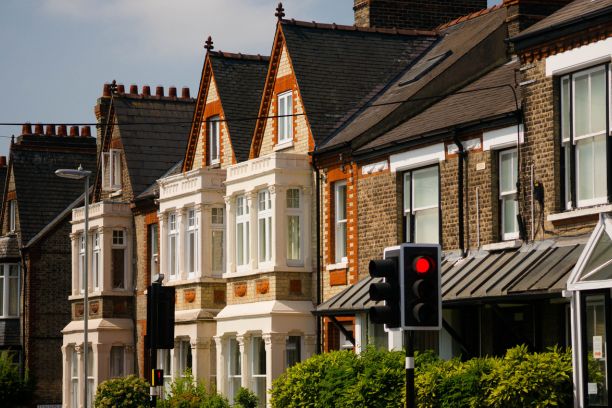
[319, 280]
[461, 155]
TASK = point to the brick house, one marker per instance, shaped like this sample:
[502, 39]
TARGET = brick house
[34, 255]
[565, 60]
[193, 235]
[140, 137]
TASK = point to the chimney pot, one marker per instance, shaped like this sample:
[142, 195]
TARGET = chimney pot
[185, 93]
[159, 91]
[106, 90]
[172, 92]
[74, 131]
[134, 89]
[146, 90]
[120, 89]
[61, 130]
[50, 130]
[2, 161]
[26, 129]
[86, 131]
[38, 129]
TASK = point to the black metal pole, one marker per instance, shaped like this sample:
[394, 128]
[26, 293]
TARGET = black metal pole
[410, 394]
[153, 342]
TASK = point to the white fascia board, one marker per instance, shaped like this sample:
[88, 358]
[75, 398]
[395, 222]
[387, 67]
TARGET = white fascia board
[579, 58]
[417, 157]
[502, 138]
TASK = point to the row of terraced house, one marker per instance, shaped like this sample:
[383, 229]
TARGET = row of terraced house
[262, 200]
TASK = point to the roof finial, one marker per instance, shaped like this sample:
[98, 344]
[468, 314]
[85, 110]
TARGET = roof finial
[209, 44]
[280, 11]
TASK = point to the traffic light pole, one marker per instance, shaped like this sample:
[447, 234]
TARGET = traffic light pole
[409, 344]
[153, 354]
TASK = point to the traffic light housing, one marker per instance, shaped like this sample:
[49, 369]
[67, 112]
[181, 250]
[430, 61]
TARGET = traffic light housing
[420, 282]
[387, 291]
[160, 316]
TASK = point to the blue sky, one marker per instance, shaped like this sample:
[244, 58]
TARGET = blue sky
[57, 54]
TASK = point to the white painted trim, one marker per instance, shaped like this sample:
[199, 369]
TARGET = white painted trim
[502, 138]
[471, 144]
[375, 167]
[581, 212]
[432, 154]
[265, 308]
[498, 246]
[336, 266]
[582, 57]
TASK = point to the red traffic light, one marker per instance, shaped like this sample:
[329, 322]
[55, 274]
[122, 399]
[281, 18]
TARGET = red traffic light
[423, 265]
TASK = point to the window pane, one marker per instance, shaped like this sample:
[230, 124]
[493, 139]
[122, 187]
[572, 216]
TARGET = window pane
[407, 191]
[581, 105]
[13, 294]
[235, 358]
[293, 350]
[598, 101]
[507, 175]
[599, 164]
[293, 237]
[217, 216]
[217, 251]
[263, 242]
[425, 188]
[565, 108]
[340, 241]
[1, 295]
[293, 198]
[568, 187]
[341, 202]
[192, 247]
[116, 361]
[426, 226]
[510, 209]
[172, 257]
[584, 164]
[240, 244]
[118, 267]
[259, 356]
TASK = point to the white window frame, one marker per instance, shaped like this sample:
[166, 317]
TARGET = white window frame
[572, 140]
[74, 378]
[293, 211]
[173, 232]
[81, 271]
[91, 391]
[340, 247]
[96, 260]
[508, 195]
[242, 219]
[264, 227]
[214, 138]
[285, 117]
[5, 279]
[117, 366]
[410, 211]
[191, 227]
[111, 162]
[12, 215]
[291, 340]
[217, 226]
[184, 353]
[256, 379]
[119, 241]
[231, 376]
[153, 235]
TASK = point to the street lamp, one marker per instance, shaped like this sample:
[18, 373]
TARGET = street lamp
[80, 174]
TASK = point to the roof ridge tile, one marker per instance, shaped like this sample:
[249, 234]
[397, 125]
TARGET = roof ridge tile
[469, 17]
[340, 27]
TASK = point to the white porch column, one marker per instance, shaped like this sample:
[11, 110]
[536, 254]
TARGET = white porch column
[175, 354]
[244, 345]
[276, 356]
[310, 344]
[251, 197]
[66, 360]
[79, 349]
[279, 225]
[181, 220]
[230, 233]
[222, 358]
[200, 358]
[163, 244]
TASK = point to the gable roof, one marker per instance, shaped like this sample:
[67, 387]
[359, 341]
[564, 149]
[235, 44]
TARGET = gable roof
[153, 132]
[466, 51]
[41, 195]
[337, 67]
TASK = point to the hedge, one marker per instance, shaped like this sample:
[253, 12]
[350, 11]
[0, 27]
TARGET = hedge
[376, 379]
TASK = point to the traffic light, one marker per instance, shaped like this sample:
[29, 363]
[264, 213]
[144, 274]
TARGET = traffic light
[160, 316]
[157, 378]
[421, 285]
[387, 291]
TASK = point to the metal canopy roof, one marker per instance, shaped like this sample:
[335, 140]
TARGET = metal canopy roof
[536, 269]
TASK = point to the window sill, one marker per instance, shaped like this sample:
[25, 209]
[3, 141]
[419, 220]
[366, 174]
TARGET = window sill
[215, 165]
[268, 269]
[97, 293]
[116, 193]
[499, 246]
[580, 212]
[190, 281]
[336, 266]
[283, 146]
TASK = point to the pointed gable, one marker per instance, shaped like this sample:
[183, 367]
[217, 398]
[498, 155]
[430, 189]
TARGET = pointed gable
[334, 69]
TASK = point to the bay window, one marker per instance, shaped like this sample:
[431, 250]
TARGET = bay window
[242, 231]
[294, 254]
[9, 290]
[340, 221]
[235, 368]
[508, 174]
[584, 130]
[96, 261]
[192, 243]
[82, 262]
[213, 140]
[421, 206]
[285, 118]
[172, 246]
[153, 250]
[258, 369]
[217, 231]
[118, 259]
[117, 362]
[264, 216]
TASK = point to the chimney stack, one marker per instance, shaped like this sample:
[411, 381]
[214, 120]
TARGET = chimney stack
[524, 13]
[159, 91]
[38, 129]
[85, 131]
[50, 130]
[185, 93]
[120, 89]
[172, 92]
[146, 90]
[2, 161]
[26, 129]
[134, 89]
[74, 131]
[61, 130]
[106, 90]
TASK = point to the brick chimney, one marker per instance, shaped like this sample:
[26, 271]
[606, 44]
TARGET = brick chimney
[524, 13]
[412, 14]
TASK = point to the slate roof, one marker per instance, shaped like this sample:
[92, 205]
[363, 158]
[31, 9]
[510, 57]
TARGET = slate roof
[573, 12]
[240, 80]
[154, 133]
[153, 189]
[338, 68]
[486, 98]
[466, 51]
[41, 195]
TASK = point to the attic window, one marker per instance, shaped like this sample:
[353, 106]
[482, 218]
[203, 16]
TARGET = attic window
[424, 67]
[285, 118]
[111, 170]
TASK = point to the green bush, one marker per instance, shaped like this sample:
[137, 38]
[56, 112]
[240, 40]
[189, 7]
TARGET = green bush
[376, 379]
[185, 392]
[14, 390]
[245, 399]
[125, 392]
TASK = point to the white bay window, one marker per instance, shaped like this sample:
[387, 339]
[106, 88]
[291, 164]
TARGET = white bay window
[82, 262]
[96, 261]
[118, 259]
[294, 228]
[192, 247]
[264, 216]
[242, 231]
[234, 368]
[258, 368]
[218, 239]
[172, 246]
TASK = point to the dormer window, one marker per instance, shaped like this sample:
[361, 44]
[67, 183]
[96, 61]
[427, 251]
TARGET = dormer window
[111, 170]
[213, 140]
[12, 215]
[285, 118]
